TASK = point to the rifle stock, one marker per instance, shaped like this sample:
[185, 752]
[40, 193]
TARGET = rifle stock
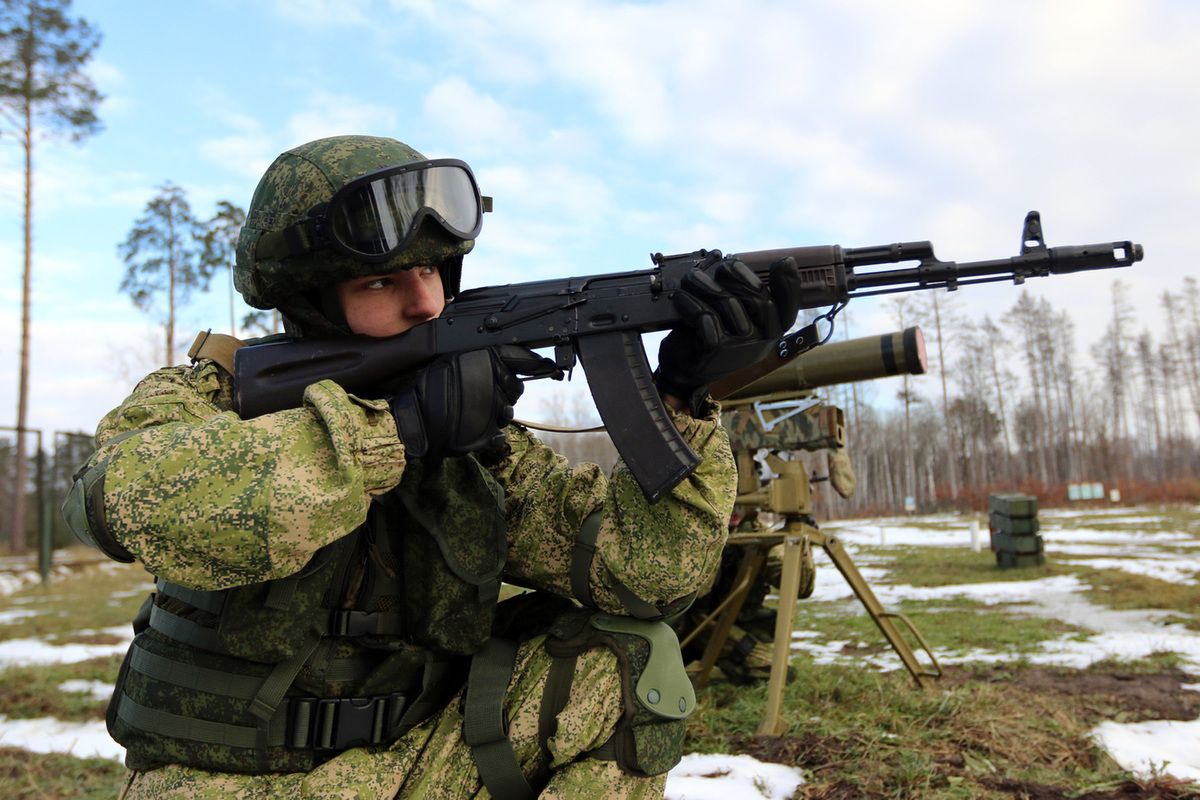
[273, 377]
[598, 320]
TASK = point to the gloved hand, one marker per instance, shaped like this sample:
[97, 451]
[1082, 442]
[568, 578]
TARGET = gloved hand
[462, 401]
[730, 320]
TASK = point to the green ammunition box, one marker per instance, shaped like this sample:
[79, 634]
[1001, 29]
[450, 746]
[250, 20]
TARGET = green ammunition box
[1007, 560]
[1013, 526]
[1014, 505]
[1017, 544]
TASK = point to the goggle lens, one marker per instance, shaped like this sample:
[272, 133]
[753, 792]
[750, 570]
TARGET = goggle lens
[379, 215]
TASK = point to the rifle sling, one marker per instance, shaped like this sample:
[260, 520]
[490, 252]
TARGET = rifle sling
[219, 347]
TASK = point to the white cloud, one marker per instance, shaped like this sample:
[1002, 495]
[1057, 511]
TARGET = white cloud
[319, 14]
[111, 82]
[247, 154]
[466, 120]
[334, 115]
[245, 147]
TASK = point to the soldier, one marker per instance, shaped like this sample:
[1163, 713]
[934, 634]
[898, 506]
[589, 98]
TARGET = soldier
[326, 618]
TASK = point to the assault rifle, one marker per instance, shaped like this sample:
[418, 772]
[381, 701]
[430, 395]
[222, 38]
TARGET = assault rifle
[599, 320]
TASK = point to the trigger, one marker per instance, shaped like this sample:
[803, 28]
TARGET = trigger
[564, 356]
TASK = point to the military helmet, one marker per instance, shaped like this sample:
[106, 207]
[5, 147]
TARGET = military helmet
[347, 207]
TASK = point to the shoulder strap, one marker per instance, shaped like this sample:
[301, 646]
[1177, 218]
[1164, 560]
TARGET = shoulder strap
[219, 347]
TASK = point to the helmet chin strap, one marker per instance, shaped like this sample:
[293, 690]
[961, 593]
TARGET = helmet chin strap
[315, 314]
[451, 272]
[331, 307]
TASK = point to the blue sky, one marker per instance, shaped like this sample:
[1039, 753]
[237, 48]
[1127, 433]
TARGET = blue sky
[607, 131]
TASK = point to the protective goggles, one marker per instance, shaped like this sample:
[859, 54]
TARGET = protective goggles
[376, 216]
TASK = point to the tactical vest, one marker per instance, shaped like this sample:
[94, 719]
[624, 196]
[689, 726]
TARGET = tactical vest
[369, 639]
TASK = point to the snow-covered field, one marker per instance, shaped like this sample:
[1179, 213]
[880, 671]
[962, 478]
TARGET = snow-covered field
[1142, 548]
[1143, 747]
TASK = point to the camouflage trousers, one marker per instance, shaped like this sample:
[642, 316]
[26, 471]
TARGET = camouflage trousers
[431, 761]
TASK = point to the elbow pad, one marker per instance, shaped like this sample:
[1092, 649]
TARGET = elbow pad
[83, 511]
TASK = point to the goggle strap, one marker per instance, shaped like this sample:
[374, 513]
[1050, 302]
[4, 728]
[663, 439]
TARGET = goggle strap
[291, 241]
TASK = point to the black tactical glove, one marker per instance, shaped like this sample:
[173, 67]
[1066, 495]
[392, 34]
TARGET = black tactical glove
[730, 320]
[462, 401]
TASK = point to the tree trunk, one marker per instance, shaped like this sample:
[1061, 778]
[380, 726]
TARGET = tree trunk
[951, 460]
[172, 268]
[991, 336]
[909, 462]
[1190, 356]
[21, 465]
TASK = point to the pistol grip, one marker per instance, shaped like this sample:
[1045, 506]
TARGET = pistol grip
[623, 388]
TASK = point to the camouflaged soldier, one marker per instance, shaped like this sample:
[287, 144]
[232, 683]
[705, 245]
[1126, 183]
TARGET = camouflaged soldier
[326, 618]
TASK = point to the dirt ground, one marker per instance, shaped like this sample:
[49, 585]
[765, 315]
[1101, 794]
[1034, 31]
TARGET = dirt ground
[1094, 694]
[1144, 697]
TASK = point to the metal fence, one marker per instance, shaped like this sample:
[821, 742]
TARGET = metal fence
[51, 460]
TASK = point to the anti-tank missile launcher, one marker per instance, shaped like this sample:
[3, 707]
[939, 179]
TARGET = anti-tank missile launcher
[780, 412]
[777, 413]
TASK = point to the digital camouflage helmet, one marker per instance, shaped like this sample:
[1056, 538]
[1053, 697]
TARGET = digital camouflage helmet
[349, 207]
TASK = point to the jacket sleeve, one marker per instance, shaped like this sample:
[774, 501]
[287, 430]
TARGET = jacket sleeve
[206, 499]
[576, 533]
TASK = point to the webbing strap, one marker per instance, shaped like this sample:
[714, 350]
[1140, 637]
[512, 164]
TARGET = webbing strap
[366, 623]
[606, 751]
[329, 723]
[211, 602]
[636, 606]
[209, 681]
[485, 722]
[438, 680]
[220, 347]
[347, 670]
[183, 630]
[270, 693]
[280, 244]
[554, 698]
[582, 555]
[280, 595]
[177, 726]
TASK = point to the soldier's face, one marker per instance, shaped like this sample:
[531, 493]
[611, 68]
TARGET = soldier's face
[384, 305]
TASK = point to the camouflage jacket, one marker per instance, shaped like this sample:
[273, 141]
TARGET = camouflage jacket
[207, 500]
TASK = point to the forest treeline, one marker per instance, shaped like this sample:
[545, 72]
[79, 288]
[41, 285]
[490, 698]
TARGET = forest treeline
[1016, 403]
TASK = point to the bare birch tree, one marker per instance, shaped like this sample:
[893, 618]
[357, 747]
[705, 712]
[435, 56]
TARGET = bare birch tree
[1024, 320]
[940, 309]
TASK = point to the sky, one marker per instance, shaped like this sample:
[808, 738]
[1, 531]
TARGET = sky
[607, 131]
[1143, 544]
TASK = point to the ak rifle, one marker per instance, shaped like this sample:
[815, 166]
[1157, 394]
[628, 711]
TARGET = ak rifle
[599, 319]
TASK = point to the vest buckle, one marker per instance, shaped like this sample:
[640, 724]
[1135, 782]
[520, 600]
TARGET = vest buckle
[341, 723]
[354, 623]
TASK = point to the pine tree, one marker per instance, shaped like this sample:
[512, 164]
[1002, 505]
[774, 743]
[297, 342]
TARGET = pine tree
[220, 246]
[43, 92]
[163, 257]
